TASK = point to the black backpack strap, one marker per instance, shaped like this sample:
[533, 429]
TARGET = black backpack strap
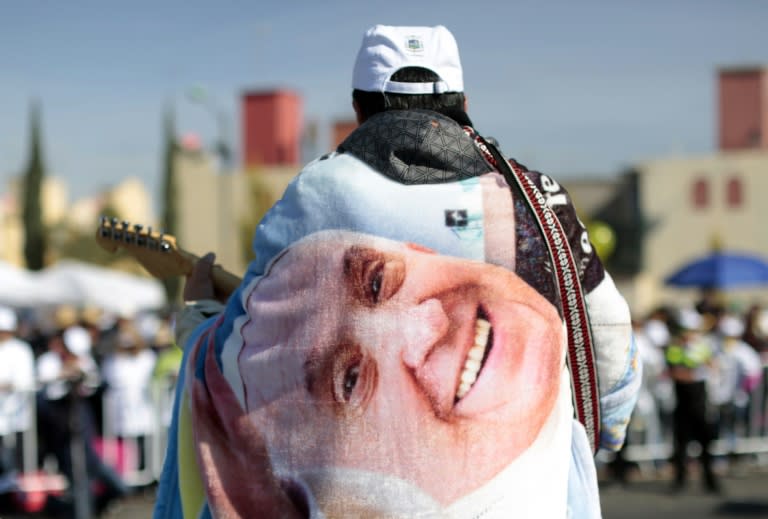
[581, 355]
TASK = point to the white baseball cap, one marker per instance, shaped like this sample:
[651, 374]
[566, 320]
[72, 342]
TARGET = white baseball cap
[731, 326]
[386, 49]
[690, 319]
[77, 340]
[8, 319]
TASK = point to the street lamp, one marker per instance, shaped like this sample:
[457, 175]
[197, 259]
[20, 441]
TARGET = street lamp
[223, 190]
[200, 95]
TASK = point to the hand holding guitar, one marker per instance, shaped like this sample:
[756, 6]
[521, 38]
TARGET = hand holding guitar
[199, 284]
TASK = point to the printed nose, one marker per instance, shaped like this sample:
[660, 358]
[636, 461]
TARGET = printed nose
[422, 328]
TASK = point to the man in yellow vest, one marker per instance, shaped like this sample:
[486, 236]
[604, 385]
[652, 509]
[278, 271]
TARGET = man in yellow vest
[689, 357]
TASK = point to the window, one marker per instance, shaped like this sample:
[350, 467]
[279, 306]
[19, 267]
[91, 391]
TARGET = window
[700, 193]
[734, 192]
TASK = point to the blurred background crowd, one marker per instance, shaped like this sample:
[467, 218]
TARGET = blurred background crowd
[704, 393]
[85, 398]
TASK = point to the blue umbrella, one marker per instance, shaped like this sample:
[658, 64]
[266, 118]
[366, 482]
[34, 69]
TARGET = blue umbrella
[721, 270]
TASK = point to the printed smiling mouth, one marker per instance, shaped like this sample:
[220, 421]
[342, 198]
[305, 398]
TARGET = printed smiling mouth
[476, 356]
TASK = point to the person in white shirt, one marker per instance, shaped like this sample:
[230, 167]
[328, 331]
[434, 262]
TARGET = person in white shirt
[17, 383]
[127, 372]
[67, 373]
[736, 372]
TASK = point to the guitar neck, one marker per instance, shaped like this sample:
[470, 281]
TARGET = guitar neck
[158, 253]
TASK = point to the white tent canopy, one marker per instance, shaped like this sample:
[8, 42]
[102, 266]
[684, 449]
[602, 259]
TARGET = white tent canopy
[18, 287]
[80, 284]
[86, 284]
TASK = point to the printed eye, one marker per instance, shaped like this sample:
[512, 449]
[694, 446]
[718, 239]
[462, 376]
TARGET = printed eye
[373, 280]
[373, 276]
[376, 281]
[354, 378]
[347, 376]
[382, 279]
[350, 381]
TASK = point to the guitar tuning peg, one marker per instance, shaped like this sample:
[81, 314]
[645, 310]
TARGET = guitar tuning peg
[125, 224]
[114, 221]
[137, 227]
[141, 239]
[104, 229]
[151, 243]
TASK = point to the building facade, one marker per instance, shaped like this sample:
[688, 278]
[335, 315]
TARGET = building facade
[668, 211]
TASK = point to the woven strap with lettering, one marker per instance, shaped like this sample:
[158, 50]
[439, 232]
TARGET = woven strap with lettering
[581, 357]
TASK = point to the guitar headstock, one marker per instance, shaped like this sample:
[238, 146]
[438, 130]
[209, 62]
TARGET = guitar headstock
[157, 252]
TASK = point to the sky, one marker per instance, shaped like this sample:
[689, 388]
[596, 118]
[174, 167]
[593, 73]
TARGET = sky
[569, 88]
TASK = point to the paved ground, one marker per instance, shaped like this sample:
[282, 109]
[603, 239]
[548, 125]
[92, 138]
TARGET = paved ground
[645, 495]
[744, 495]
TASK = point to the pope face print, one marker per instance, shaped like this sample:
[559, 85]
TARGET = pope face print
[381, 356]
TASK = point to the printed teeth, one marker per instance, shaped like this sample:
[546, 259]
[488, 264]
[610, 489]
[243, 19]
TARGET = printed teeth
[475, 356]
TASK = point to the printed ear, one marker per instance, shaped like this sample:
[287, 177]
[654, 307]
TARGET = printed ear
[232, 454]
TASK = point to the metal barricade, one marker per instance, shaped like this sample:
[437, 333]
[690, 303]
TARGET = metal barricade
[139, 459]
[21, 419]
[746, 435]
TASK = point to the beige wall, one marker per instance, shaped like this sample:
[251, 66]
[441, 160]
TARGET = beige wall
[213, 206]
[54, 204]
[682, 232]
[131, 200]
[11, 239]
[198, 201]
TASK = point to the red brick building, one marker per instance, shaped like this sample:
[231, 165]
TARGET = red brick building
[743, 108]
[271, 128]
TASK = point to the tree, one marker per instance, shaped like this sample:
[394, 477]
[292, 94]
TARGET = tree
[35, 240]
[172, 285]
[624, 215]
[260, 200]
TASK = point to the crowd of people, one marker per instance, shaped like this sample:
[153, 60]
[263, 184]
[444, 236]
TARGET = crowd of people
[704, 380]
[75, 383]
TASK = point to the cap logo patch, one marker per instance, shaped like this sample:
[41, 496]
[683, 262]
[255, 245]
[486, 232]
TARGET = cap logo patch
[414, 44]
